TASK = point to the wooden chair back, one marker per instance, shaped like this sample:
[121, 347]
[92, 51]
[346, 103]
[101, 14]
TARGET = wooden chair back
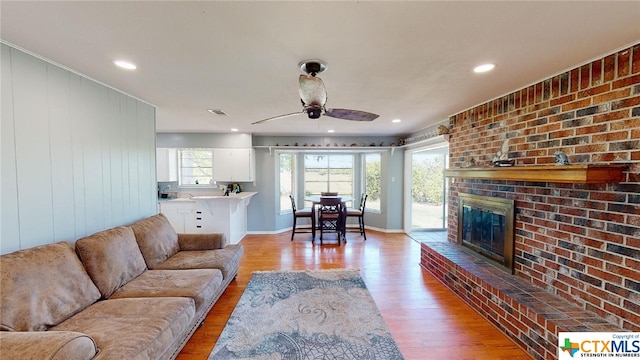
[328, 194]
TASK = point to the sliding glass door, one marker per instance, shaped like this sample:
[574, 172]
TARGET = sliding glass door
[427, 208]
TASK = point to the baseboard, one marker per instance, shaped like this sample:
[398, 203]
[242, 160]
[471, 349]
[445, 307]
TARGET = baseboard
[387, 231]
[280, 231]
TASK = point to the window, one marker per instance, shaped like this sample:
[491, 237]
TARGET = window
[324, 172]
[372, 177]
[287, 171]
[196, 166]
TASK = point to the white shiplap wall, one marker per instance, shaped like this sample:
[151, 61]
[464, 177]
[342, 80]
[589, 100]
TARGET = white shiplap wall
[77, 156]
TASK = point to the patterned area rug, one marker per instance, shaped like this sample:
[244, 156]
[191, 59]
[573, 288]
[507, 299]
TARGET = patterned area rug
[326, 314]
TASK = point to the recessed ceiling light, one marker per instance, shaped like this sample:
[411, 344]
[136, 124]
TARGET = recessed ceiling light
[396, 120]
[125, 64]
[234, 129]
[483, 68]
[331, 131]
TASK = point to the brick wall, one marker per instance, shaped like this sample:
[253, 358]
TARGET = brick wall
[581, 242]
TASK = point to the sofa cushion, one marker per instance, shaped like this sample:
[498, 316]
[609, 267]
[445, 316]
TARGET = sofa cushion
[43, 286]
[112, 258]
[134, 328]
[227, 260]
[198, 284]
[50, 345]
[208, 241]
[156, 238]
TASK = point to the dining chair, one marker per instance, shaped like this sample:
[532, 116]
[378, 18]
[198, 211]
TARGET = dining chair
[359, 213]
[302, 213]
[328, 194]
[331, 216]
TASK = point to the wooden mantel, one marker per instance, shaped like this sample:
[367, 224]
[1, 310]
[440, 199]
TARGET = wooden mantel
[577, 174]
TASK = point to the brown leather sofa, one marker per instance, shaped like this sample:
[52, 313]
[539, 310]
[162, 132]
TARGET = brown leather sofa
[134, 292]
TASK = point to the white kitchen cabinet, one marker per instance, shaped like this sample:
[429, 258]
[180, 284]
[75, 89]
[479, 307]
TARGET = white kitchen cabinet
[233, 165]
[224, 214]
[210, 214]
[204, 219]
[182, 215]
[166, 164]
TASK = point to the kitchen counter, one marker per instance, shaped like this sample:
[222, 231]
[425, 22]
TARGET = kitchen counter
[241, 196]
[174, 199]
[210, 214]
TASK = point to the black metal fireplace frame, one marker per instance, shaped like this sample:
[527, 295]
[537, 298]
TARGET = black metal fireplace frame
[504, 207]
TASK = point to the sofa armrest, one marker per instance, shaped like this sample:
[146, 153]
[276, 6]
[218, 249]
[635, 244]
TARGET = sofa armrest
[54, 345]
[201, 241]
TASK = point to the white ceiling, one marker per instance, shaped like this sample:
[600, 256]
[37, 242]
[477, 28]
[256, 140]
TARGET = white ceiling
[407, 60]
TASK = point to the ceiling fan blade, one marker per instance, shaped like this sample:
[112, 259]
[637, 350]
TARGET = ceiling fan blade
[277, 117]
[347, 114]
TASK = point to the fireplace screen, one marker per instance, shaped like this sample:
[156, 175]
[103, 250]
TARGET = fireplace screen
[485, 225]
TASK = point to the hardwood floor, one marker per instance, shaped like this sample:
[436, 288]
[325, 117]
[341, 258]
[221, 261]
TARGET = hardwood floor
[426, 319]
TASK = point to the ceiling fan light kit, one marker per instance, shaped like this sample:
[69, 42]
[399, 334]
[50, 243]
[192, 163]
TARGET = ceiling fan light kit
[312, 91]
[313, 96]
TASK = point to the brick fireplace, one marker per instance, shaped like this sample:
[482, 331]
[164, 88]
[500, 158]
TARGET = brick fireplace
[577, 243]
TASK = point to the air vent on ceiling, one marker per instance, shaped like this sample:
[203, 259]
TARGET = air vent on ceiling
[217, 112]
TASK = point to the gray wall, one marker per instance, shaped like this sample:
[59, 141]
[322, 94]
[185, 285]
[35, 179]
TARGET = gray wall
[262, 214]
[205, 140]
[77, 156]
[392, 202]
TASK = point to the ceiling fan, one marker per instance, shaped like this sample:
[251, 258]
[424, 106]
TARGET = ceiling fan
[313, 96]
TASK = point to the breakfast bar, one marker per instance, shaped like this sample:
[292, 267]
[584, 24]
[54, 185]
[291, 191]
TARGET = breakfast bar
[212, 213]
[226, 214]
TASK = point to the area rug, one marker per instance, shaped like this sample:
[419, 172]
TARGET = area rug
[325, 314]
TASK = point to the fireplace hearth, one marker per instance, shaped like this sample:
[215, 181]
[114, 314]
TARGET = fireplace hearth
[485, 226]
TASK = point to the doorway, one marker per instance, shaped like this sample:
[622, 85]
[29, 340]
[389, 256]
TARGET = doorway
[426, 208]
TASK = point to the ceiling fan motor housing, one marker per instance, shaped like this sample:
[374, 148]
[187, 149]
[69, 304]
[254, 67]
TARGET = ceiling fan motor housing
[314, 112]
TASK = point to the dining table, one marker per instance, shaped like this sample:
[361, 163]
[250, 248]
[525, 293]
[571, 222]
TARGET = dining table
[315, 200]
